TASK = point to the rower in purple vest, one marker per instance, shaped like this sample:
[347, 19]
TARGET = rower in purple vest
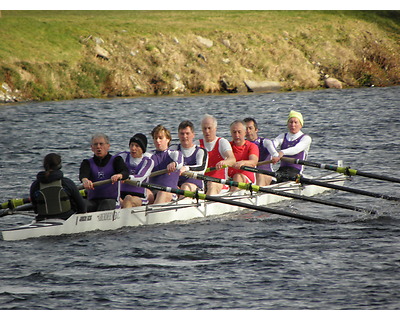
[252, 135]
[293, 144]
[140, 166]
[195, 158]
[164, 158]
[102, 166]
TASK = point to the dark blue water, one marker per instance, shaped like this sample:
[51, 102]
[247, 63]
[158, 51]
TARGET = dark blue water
[239, 261]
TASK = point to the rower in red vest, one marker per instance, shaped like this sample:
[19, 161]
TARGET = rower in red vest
[219, 153]
[246, 154]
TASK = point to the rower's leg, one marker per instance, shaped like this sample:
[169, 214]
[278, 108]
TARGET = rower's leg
[213, 188]
[263, 179]
[163, 197]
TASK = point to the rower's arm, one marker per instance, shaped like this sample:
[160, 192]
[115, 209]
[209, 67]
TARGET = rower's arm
[230, 159]
[303, 145]
[201, 161]
[145, 168]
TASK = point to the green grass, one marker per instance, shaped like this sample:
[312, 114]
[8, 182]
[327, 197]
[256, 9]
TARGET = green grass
[54, 35]
[49, 55]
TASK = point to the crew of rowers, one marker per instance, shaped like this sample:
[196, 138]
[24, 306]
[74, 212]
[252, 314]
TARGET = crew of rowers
[166, 165]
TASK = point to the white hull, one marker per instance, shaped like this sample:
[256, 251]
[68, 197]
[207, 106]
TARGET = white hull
[186, 209]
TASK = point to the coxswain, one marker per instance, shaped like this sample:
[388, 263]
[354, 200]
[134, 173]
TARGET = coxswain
[52, 194]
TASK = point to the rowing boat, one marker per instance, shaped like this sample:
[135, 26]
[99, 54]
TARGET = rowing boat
[181, 210]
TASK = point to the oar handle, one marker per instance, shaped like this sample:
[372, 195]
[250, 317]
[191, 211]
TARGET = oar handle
[214, 168]
[96, 184]
[264, 162]
[225, 166]
[158, 173]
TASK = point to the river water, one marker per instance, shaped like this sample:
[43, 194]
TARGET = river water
[239, 261]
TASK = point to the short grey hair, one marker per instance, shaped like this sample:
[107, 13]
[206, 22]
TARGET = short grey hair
[208, 116]
[101, 135]
[238, 121]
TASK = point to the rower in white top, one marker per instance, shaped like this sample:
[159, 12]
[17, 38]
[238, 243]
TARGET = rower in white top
[293, 144]
[195, 158]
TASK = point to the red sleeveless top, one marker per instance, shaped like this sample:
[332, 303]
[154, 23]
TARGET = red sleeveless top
[243, 153]
[213, 158]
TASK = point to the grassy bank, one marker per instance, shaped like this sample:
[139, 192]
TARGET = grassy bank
[50, 55]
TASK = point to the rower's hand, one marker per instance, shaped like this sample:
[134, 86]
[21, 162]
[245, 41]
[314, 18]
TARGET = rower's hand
[183, 169]
[220, 165]
[87, 184]
[171, 167]
[278, 158]
[116, 177]
[239, 164]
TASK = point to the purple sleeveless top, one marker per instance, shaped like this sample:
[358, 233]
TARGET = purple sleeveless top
[301, 155]
[161, 160]
[107, 191]
[188, 161]
[133, 170]
[264, 154]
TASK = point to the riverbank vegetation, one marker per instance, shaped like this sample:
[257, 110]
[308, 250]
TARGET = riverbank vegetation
[54, 55]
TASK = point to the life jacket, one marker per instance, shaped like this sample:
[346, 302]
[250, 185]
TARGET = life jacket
[135, 169]
[161, 160]
[264, 154]
[108, 191]
[188, 161]
[52, 199]
[301, 155]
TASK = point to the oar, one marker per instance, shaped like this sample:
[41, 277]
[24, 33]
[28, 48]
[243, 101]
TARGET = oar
[203, 196]
[344, 170]
[256, 188]
[301, 179]
[14, 205]
[225, 166]
[158, 173]
[8, 211]
[17, 204]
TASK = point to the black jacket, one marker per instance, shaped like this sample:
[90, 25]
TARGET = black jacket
[77, 202]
